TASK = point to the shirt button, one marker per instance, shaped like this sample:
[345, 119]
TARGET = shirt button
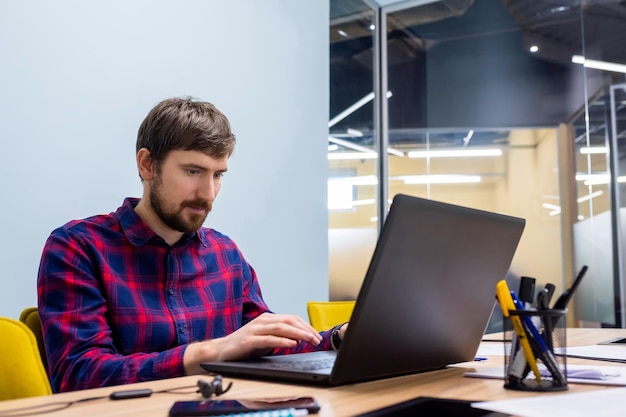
[171, 291]
[182, 330]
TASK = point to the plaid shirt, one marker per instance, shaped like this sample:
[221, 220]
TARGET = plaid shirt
[119, 305]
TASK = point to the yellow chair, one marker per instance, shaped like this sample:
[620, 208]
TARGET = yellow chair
[30, 317]
[21, 371]
[325, 314]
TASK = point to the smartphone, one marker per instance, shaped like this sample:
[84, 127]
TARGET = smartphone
[221, 407]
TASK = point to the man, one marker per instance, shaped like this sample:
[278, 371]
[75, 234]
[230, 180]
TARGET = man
[146, 292]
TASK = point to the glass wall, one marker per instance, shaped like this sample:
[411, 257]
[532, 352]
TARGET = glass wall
[597, 133]
[353, 186]
[487, 104]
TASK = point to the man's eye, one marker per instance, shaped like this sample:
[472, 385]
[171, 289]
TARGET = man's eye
[218, 175]
[192, 171]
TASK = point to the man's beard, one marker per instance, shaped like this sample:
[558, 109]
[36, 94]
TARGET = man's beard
[173, 217]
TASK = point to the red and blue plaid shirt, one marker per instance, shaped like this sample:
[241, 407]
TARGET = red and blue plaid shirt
[119, 305]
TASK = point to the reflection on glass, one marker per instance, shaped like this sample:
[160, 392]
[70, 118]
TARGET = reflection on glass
[352, 149]
[474, 113]
[478, 93]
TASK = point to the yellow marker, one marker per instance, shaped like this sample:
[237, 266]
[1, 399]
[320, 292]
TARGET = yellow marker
[506, 304]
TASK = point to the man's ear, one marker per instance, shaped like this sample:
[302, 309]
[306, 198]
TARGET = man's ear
[144, 164]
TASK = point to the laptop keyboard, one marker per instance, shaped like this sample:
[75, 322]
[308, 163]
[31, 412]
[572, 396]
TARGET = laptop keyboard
[305, 365]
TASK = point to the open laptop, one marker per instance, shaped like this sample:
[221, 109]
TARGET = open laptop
[424, 303]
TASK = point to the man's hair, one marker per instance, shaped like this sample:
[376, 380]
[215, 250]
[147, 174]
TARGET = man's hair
[185, 124]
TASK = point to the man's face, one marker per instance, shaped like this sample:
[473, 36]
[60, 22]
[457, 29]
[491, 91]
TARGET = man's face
[184, 187]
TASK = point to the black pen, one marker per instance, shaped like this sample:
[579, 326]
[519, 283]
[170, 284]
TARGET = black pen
[543, 303]
[564, 299]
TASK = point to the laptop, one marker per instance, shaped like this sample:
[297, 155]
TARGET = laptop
[424, 303]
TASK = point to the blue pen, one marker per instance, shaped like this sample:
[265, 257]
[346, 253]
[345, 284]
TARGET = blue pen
[546, 354]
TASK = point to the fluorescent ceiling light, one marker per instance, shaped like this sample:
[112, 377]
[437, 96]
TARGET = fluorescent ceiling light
[347, 112]
[554, 209]
[590, 196]
[551, 206]
[439, 179]
[455, 153]
[467, 138]
[593, 179]
[347, 144]
[333, 147]
[354, 132]
[395, 152]
[601, 65]
[597, 179]
[594, 150]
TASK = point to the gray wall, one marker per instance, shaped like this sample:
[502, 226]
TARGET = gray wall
[76, 80]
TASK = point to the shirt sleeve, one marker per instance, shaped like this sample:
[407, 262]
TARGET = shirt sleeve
[78, 339]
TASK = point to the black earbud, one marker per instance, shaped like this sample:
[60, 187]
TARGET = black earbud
[208, 389]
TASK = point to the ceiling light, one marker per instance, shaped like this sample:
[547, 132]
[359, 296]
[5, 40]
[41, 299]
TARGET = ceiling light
[439, 179]
[590, 196]
[349, 145]
[455, 153]
[554, 209]
[534, 48]
[601, 65]
[354, 107]
[333, 147]
[395, 152]
[594, 150]
[345, 143]
[342, 33]
[354, 132]
[598, 179]
[467, 138]
[593, 179]
[551, 206]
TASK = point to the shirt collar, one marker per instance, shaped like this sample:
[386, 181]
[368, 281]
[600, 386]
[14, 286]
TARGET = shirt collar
[138, 233]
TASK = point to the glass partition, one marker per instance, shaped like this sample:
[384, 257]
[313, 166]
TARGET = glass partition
[353, 185]
[473, 120]
[502, 105]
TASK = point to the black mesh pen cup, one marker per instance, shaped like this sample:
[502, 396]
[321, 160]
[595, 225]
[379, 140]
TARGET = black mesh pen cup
[530, 358]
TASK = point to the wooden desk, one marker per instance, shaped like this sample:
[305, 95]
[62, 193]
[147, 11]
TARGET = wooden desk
[347, 400]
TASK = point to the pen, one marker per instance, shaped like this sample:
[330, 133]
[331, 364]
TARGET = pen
[506, 304]
[563, 300]
[543, 303]
[545, 353]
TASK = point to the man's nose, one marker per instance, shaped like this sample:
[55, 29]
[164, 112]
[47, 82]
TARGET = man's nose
[208, 191]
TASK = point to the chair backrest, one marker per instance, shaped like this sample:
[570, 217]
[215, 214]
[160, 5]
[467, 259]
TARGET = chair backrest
[21, 371]
[30, 317]
[325, 314]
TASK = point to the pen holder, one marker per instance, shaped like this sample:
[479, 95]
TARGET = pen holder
[530, 360]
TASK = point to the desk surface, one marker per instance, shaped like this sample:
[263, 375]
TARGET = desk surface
[347, 400]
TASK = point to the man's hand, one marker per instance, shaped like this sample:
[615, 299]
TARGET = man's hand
[259, 336]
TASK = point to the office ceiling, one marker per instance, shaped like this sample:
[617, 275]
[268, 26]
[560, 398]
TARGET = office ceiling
[556, 25]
